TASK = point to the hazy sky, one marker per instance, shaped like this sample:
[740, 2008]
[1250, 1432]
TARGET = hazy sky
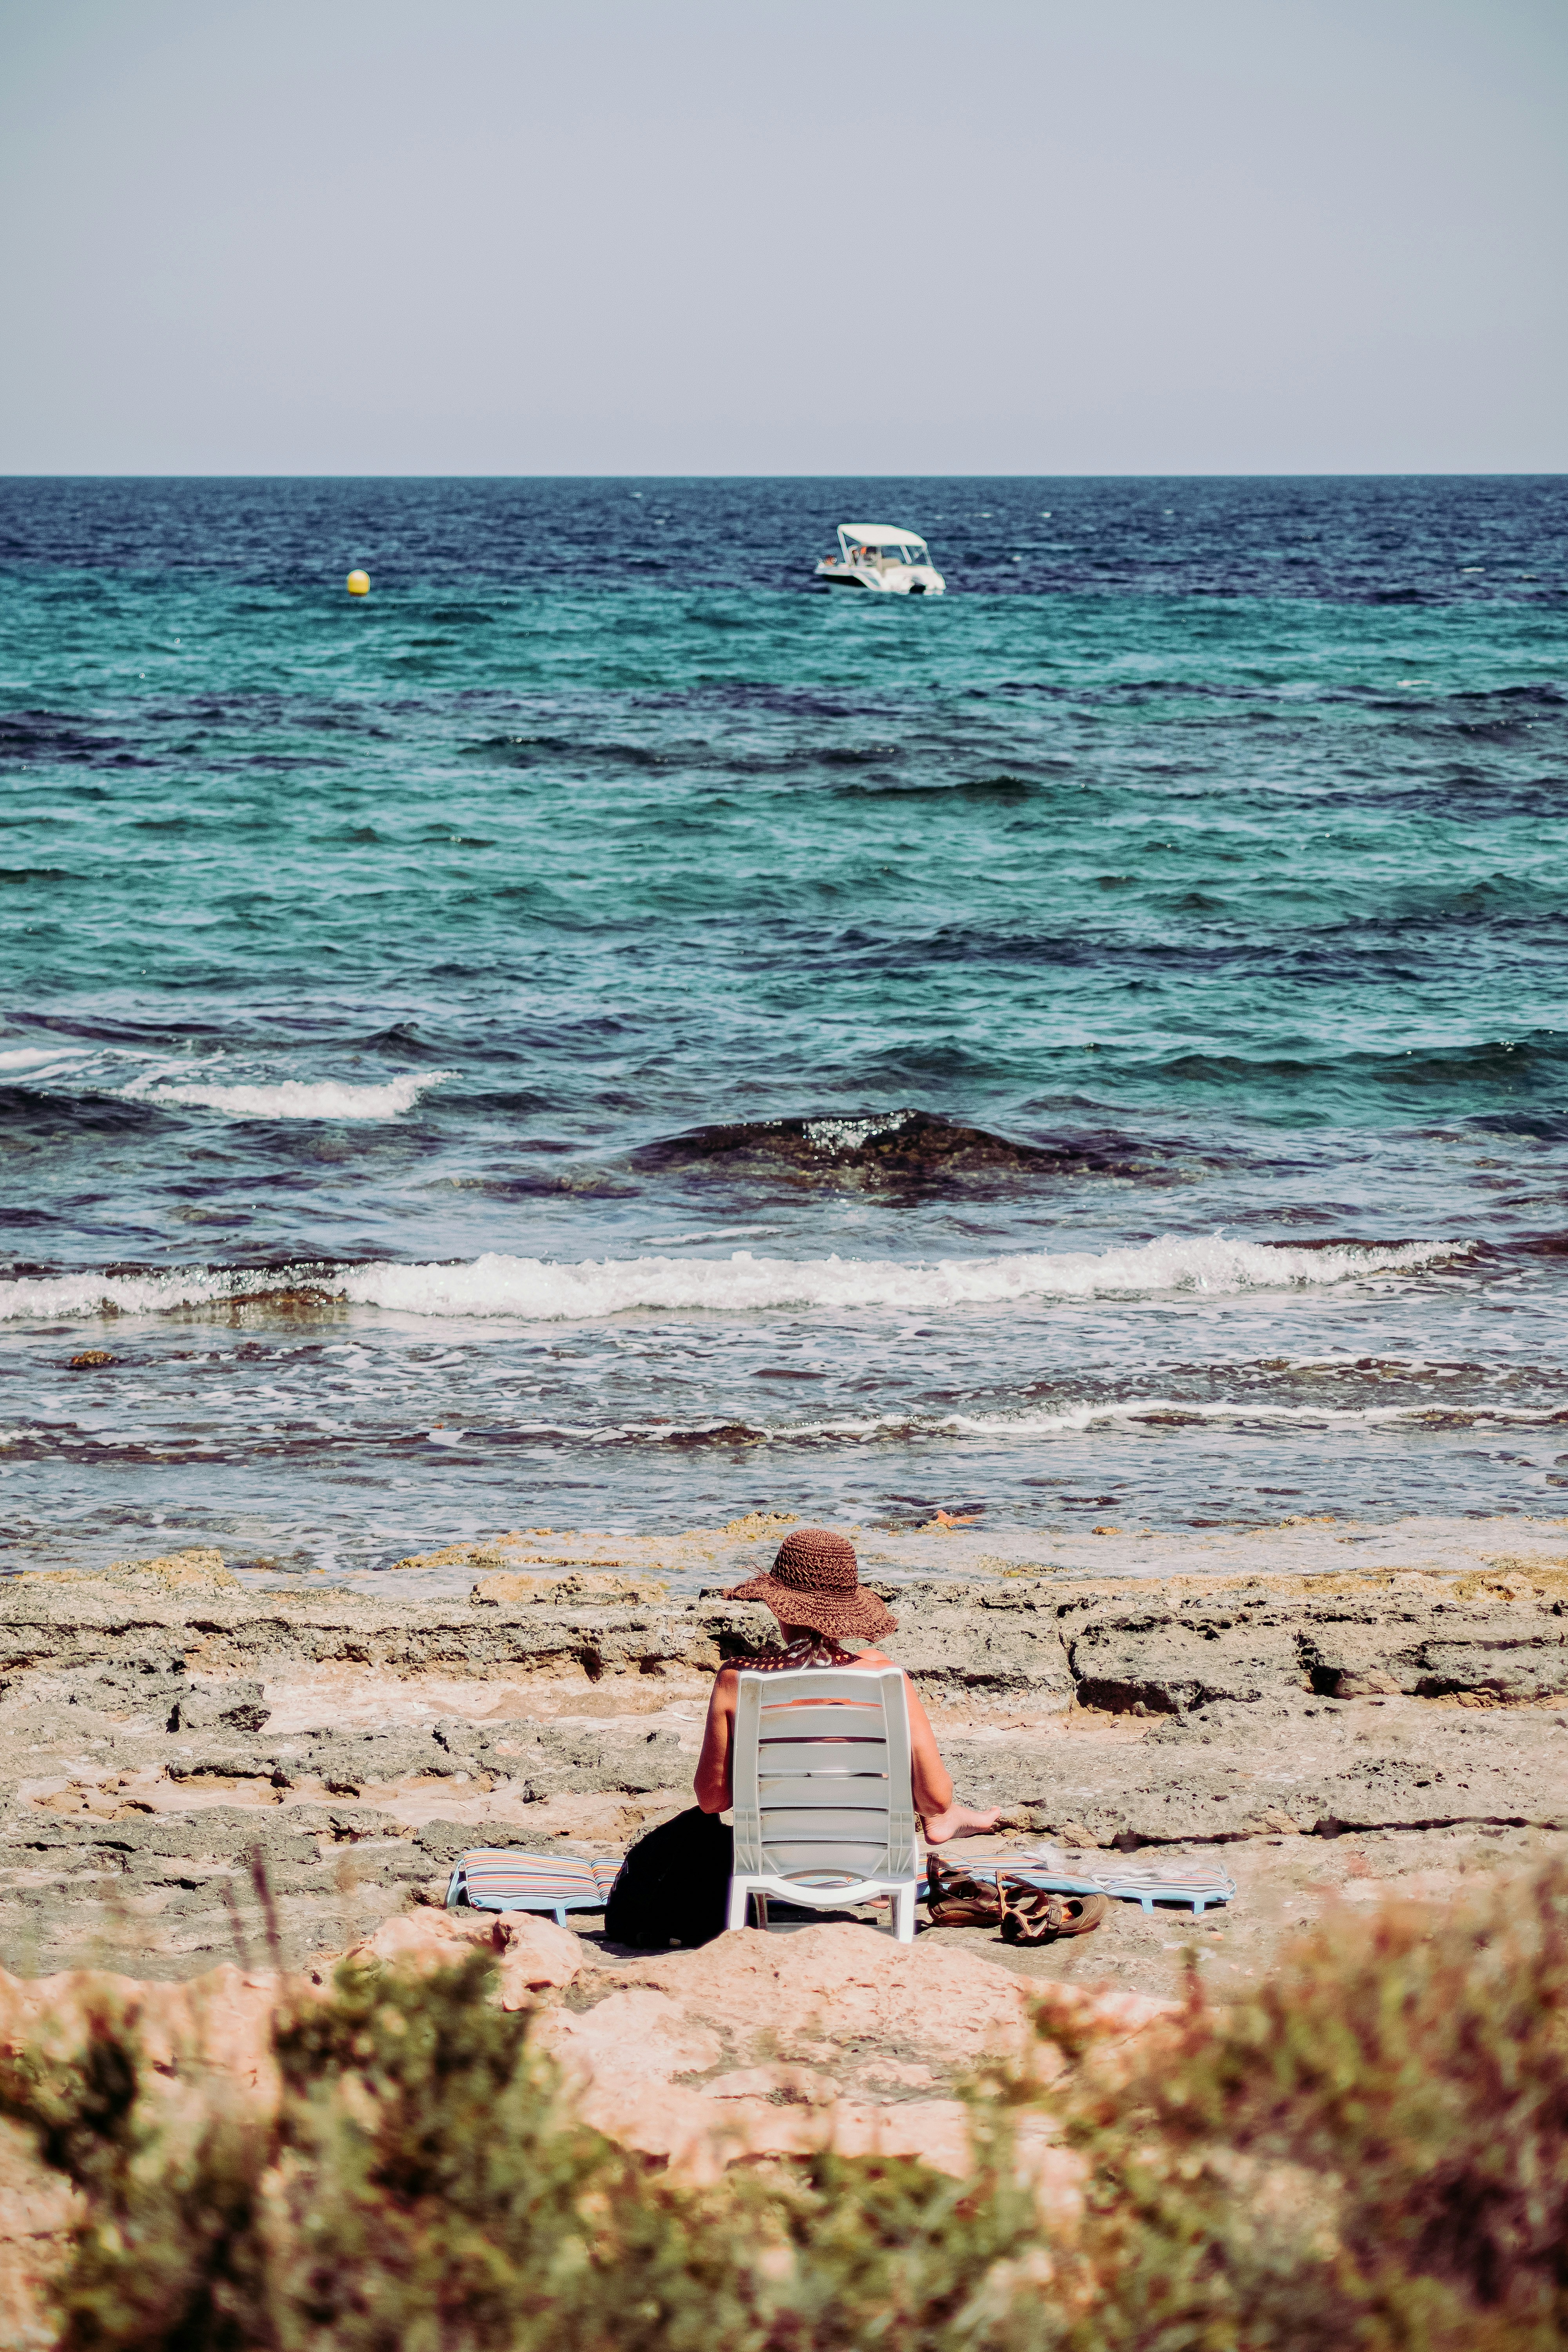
[827, 236]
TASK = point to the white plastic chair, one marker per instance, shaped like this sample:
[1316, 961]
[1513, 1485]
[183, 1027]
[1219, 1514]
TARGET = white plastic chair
[823, 1809]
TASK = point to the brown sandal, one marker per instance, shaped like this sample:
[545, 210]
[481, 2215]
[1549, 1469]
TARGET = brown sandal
[958, 1900]
[1039, 1914]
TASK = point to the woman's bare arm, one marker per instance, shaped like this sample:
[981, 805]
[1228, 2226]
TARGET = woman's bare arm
[714, 1782]
[932, 1780]
[941, 1818]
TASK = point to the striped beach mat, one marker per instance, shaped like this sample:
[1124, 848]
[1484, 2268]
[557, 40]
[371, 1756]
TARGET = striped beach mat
[506, 1878]
[1194, 1884]
[1198, 1883]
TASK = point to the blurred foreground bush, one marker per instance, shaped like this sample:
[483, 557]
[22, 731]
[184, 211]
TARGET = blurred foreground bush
[1372, 2152]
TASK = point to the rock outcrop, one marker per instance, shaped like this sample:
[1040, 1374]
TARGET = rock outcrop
[1162, 1648]
[755, 2046]
[162, 1745]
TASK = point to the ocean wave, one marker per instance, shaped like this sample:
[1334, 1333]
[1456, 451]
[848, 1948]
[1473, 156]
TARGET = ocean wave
[28, 1058]
[1177, 1412]
[1067, 1421]
[295, 1097]
[536, 1290]
[999, 1433]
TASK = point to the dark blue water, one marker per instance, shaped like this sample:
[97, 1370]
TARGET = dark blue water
[606, 1030]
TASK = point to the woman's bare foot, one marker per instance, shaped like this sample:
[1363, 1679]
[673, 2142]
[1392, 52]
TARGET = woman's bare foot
[958, 1821]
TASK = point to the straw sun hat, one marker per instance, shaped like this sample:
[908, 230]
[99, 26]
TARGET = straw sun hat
[816, 1581]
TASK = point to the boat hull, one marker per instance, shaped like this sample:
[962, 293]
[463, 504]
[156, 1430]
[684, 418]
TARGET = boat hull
[897, 580]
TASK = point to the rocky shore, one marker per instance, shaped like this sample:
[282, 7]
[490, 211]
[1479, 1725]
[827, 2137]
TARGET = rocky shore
[170, 1732]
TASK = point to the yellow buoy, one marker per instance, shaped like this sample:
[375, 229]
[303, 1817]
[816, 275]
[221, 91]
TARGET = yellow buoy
[359, 584]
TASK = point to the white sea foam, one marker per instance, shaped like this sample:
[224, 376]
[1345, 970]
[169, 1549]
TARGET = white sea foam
[536, 1290]
[27, 1057]
[1238, 1411]
[1065, 1420]
[296, 1098]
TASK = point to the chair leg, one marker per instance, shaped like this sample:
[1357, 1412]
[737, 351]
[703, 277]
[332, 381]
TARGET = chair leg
[904, 1914]
[735, 1910]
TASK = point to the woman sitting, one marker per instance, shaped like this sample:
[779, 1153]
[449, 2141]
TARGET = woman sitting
[815, 1591]
[674, 1882]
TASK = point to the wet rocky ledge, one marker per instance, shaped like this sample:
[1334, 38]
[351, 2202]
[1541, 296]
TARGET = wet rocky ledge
[182, 1749]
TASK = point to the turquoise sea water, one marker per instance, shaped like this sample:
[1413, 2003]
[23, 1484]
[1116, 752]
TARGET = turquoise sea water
[672, 1038]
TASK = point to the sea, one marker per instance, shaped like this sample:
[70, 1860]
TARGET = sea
[606, 1031]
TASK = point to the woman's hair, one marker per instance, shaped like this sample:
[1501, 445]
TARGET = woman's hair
[802, 1647]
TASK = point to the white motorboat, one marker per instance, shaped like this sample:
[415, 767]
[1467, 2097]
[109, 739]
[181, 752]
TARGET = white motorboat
[872, 556]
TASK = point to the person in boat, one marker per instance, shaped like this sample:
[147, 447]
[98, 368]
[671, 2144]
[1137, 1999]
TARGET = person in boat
[813, 1589]
[673, 1884]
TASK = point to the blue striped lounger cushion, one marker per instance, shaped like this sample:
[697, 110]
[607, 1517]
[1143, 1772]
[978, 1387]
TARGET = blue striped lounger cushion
[1195, 1884]
[505, 1878]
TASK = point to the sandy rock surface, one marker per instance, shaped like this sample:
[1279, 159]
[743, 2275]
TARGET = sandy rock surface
[784, 2044]
[168, 1731]
[39, 2210]
[685, 1564]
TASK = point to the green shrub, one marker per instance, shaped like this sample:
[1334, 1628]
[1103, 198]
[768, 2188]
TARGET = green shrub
[169, 2255]
[1370, 2152]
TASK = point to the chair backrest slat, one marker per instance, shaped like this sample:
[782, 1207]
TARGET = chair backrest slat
[810, 1722]
[803, 1856]
[833, 1821]
[824, 1787]
[832, 1790]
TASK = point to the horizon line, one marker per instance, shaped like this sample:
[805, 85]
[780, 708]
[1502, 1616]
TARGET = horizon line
[801, 474]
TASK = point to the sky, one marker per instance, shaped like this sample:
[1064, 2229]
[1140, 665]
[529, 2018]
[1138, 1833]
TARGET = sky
[740, 236]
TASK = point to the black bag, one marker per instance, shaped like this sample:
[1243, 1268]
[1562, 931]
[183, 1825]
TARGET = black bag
[674, 1885]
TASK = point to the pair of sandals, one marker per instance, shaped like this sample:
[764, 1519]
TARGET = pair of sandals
[1025, 1912]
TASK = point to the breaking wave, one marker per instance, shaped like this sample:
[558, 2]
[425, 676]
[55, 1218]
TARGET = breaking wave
[535, 1290]
[27, 1058]
[296, 1098]
[1065, 1420]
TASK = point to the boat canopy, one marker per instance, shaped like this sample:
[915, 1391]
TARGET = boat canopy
[879, 534]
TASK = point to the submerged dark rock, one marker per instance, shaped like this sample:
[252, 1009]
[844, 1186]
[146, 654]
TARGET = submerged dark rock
[900, 1147]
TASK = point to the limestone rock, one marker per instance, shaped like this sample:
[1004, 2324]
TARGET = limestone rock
[519, 1589]
[220, 2022]
[1321, 1762]
[536, 1957]
[1415, 1636]
[998, 1647]
[1155, 1658]
[634, 2032]
[206, 1706]
[441, 1842]
[198, 1570]
[843, 1981]
[533, 1954]
[39, 2212]
[819, 1995]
